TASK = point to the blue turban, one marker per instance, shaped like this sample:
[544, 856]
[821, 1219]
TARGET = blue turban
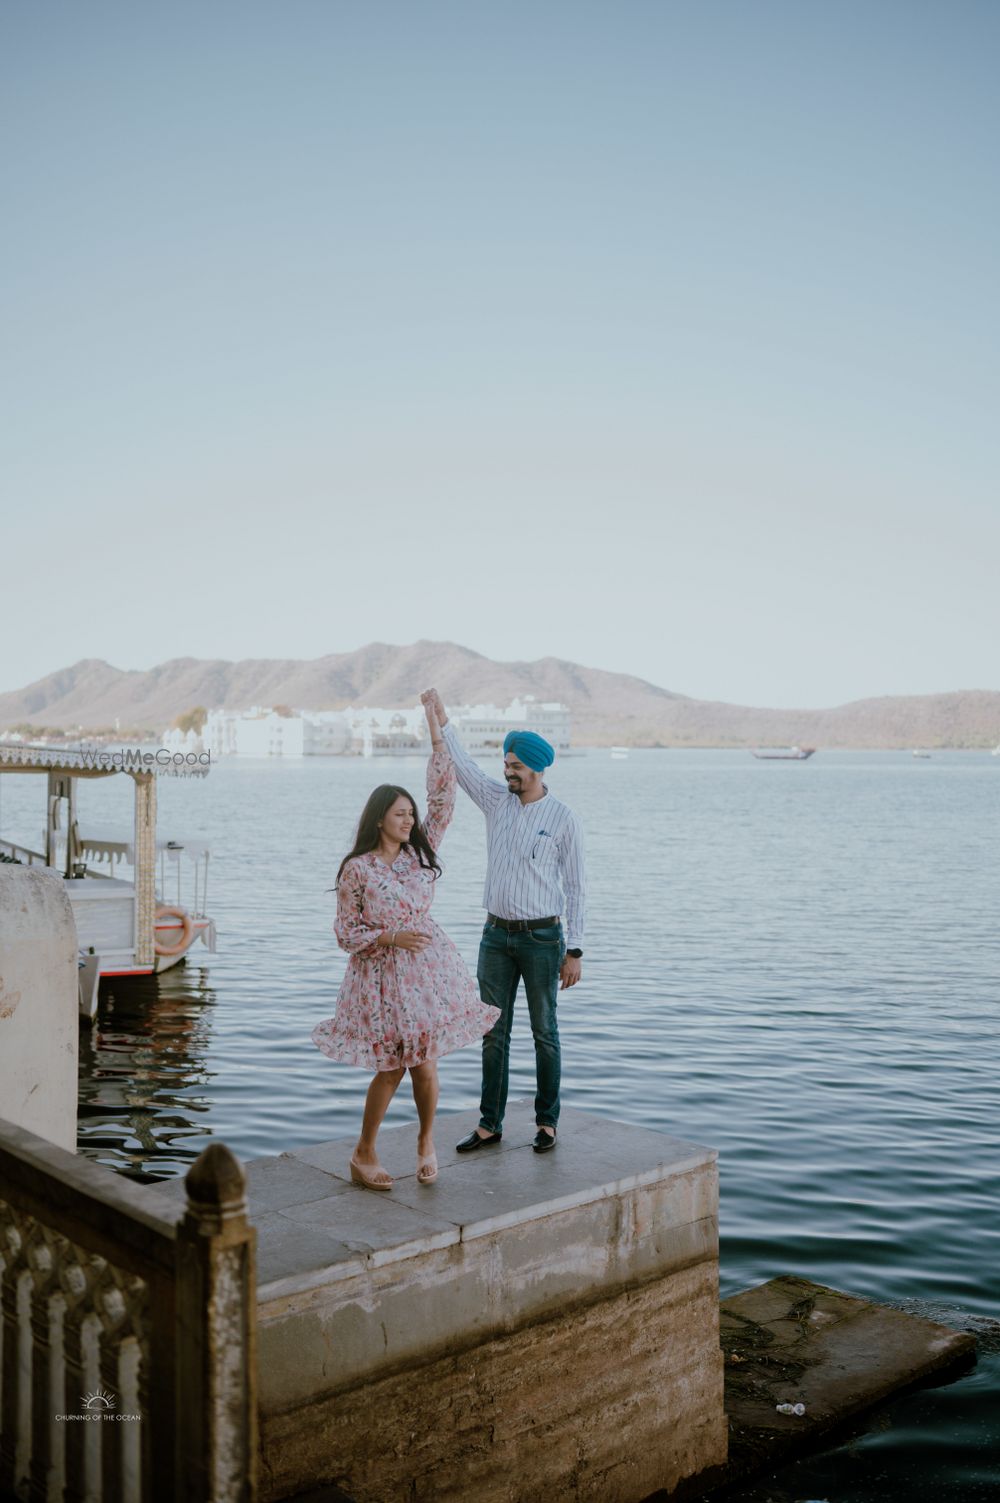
[531, 749]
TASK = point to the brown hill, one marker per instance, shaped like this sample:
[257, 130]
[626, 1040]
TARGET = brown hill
[607, 707]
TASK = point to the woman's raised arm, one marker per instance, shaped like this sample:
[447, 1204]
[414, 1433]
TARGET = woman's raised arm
[484, 791]
[441, 780]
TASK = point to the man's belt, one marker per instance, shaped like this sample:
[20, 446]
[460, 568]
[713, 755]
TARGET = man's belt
[518, 926]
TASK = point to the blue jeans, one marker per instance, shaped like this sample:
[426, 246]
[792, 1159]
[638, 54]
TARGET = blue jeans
[534, 956]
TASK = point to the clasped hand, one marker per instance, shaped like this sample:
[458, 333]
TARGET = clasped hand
[434, 705]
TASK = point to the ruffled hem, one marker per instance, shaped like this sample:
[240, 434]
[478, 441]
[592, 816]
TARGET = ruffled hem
[400, 1054]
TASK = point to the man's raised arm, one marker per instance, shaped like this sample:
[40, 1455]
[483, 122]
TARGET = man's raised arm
[483, 790]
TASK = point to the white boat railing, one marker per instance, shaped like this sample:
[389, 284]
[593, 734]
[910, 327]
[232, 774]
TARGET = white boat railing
[19, 851]
[104, 846]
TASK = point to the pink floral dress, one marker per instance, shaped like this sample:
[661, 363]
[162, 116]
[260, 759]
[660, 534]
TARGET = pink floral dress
[398, 1008]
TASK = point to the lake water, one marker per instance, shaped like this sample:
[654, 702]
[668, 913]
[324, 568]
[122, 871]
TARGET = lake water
[797, 963]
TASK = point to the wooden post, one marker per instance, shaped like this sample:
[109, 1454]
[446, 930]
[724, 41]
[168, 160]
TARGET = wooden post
[72, 828]
[145, 867]
[51, 818]
[216, 1367]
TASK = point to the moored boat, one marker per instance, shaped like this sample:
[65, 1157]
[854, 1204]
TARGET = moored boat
[782, 753]
[124, 927]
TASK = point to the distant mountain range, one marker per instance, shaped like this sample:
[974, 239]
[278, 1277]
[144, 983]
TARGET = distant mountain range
[608, 708]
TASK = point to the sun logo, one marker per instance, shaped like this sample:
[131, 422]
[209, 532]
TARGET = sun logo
[99, 1400]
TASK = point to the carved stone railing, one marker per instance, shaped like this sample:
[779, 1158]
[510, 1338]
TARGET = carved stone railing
[127, 1341]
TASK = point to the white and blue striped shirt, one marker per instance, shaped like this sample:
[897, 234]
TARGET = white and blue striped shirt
[534, 863]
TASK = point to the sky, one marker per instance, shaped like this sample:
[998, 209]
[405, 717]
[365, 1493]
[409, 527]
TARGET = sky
[661, 337]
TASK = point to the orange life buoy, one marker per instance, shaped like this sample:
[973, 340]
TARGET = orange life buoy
[187, 930]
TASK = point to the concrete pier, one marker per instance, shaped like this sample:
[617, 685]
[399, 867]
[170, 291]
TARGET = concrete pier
[39, 1004]
[530, 1325]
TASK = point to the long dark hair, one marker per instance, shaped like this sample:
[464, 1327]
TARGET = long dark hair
[367, 837]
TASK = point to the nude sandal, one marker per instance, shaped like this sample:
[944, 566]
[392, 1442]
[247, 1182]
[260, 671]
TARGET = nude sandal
[359, 1177]
[427, 1169]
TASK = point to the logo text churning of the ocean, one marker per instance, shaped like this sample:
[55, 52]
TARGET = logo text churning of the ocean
[99, 1405]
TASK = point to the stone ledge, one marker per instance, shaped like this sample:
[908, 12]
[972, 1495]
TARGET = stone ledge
[475, 1195]
[314, 1228]
[379, 1325]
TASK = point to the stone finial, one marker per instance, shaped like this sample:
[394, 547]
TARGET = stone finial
[215, 1182]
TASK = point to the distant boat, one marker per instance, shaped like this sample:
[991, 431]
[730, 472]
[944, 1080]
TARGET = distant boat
[619, 753]
[996, 751]
[783, 753]
[917, 753]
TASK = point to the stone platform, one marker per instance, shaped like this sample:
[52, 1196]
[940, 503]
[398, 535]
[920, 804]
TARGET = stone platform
[839, 1355]
[530, 1325]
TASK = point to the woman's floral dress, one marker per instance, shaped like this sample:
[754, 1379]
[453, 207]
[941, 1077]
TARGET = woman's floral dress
[398, 1008]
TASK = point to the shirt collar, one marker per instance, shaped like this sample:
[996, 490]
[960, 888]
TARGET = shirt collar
[534, 802]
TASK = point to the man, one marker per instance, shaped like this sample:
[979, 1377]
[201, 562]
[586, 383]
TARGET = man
[534, 874]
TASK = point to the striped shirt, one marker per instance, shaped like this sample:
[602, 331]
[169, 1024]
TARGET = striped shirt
[534, 863]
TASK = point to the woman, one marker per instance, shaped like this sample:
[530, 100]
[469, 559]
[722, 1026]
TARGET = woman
[407, 997]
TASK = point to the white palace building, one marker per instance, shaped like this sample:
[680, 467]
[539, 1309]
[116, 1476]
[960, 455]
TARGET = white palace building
[364, 732]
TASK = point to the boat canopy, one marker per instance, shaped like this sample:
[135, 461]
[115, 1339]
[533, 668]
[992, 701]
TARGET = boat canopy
[14, 758]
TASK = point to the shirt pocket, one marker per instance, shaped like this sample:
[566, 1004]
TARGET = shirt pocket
[543, 851]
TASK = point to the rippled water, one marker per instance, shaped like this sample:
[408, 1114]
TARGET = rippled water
[794, 962]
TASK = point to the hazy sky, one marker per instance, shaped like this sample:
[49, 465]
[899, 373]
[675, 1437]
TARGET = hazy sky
[658, 336]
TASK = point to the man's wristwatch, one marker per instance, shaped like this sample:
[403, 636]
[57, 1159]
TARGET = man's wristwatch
[575, 953]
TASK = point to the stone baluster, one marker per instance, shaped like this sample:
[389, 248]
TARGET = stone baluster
[47, 1310]
[120, 1301]
[109, 1304]
[15, 1381]
[136, 1456]
[216, 1404]
[78, 1273]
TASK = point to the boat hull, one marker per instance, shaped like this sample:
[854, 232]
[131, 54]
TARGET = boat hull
[104, 913]
[796, 754]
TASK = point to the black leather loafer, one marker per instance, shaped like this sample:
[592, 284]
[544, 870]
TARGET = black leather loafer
[544, 1141]
[474, 1141]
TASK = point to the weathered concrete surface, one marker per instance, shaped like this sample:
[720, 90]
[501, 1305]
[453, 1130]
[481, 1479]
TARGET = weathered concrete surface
[793, 1341]
[602, 1403]
[529, 1326]
[39, 1004]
